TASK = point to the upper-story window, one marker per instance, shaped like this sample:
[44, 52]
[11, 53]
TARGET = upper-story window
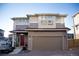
[21, 22]
[46, 17]
[47, 20]
[50, 22]
[43, 22]
[42, 17]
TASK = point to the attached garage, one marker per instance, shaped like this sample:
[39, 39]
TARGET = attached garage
[47, 40]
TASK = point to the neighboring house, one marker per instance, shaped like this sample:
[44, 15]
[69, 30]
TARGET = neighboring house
[1, 33]
[76, 25]
[40, 32]
[4, 42]
[70, 36]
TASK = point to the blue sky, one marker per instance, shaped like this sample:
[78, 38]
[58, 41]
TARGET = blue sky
[7, 11]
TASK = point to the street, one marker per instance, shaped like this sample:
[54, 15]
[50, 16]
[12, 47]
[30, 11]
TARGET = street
[70, 52]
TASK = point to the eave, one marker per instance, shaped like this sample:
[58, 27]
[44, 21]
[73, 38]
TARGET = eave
[18, 31]
[47, 29]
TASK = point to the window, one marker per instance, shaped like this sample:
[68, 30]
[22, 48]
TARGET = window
[50, 22]
[42, 17]
[48, 17]
[43, 22]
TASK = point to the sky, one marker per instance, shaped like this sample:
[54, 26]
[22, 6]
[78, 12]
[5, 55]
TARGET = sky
[9, 10]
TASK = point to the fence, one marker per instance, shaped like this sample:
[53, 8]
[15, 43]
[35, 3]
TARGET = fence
[73, 43]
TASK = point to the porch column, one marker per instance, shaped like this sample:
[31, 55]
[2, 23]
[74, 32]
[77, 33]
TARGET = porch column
[64, 42]
[29, 42]
[13, 40]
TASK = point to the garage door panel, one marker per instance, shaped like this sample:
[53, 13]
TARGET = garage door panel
[47, 43]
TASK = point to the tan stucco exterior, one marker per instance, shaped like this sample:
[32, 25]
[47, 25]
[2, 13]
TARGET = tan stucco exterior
[55, 18]
[33, 20]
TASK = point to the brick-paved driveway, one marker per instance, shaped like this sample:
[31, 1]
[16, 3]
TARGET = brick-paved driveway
[71, 52]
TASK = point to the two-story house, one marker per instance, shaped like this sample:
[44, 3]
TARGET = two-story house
[41, 32]
[47, 32]
[76, 25]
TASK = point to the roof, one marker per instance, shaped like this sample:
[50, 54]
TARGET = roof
[14, 18]
[48, 14]
[42, 14]
[75, 14]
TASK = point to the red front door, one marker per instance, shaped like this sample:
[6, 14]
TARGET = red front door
[21, 40]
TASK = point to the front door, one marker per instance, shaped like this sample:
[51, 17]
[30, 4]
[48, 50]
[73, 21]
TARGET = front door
[21, 39]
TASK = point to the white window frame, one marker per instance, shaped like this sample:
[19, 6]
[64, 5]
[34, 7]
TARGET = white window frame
[50, 23]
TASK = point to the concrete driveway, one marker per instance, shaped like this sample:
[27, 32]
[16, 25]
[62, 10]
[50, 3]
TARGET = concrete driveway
[70, 52]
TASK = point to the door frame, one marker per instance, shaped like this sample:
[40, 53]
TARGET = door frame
[20, 40]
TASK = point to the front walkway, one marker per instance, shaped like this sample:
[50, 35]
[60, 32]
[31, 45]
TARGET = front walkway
[17, 50]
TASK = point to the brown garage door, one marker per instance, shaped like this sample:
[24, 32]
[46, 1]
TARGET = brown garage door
[46, 43]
